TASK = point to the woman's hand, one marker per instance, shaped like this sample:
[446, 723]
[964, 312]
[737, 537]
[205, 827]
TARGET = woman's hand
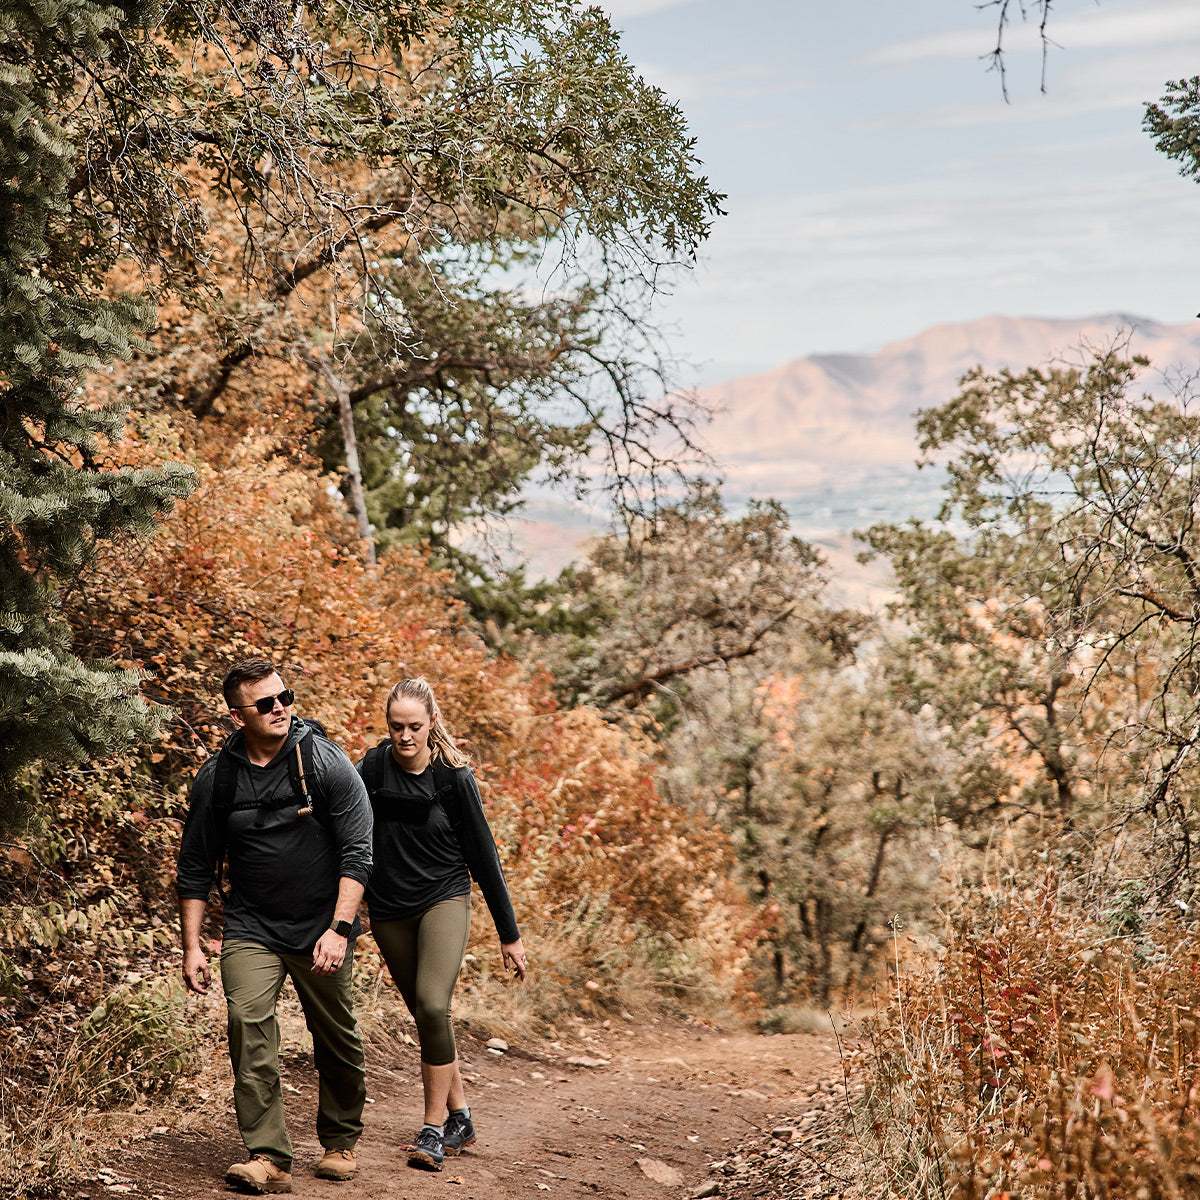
[514, 953]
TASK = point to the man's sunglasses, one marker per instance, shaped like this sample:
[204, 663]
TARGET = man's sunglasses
[266, 704]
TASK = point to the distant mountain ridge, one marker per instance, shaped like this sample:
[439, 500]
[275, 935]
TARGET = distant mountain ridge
[832, 437]
[823, 426]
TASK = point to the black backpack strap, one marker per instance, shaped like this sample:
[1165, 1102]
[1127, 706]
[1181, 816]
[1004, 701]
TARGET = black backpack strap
[445, 790]
[372, 772]
[445, 777]
[390, 806]
[300, 773]
[224, 786]
[307, 788]
[386, 803]
[224, 782]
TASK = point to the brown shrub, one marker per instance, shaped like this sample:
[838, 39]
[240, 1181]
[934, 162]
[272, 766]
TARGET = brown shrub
[612, 884]
[1039, 1056]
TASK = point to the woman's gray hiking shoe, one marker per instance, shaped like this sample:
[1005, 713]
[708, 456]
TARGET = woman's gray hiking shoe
[459, 1132]
[428, 1150]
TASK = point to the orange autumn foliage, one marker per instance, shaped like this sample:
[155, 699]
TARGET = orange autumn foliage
[1040, 1055]
[262, 559]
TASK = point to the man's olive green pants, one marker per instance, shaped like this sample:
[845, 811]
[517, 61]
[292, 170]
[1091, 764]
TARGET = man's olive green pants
[253, 977]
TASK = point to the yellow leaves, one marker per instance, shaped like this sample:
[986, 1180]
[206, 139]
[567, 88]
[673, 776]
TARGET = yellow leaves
[45, 928]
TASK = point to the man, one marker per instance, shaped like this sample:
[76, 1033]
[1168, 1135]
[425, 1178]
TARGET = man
[294, 825]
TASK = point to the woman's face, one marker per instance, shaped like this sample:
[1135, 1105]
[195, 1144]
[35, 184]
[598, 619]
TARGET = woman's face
[408, 727]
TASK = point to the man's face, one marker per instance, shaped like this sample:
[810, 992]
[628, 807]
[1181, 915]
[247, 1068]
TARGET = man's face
[270, 726]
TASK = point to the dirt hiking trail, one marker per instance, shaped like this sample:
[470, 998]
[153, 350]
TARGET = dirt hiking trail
[647, 1112]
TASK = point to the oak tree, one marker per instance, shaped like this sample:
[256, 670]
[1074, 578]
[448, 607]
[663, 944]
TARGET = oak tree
[318, 204]
[1053, 606]
[448, 223]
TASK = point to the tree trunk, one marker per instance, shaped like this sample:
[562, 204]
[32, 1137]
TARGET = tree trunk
[358, 504]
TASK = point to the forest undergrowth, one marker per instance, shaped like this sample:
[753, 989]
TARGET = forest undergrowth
[1037, 1053]
[710, 786]
[1028, 1049]
[100, 1023]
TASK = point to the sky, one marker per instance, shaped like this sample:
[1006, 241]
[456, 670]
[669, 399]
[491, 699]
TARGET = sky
[878, 183]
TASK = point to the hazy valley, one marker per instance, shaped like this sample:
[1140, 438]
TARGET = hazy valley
[831, 436]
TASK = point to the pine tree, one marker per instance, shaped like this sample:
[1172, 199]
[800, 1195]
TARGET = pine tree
[57, 498]
[300, 185]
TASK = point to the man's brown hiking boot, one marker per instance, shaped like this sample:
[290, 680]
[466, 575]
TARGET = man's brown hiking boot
[338, 1164]
[259, 1175]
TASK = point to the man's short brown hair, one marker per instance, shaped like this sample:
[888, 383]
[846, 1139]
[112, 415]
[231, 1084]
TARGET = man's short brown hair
[249, 670]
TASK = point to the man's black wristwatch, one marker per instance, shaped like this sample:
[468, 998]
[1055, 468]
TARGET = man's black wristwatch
[342, 928]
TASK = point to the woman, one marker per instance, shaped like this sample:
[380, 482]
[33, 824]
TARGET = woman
[431, 838]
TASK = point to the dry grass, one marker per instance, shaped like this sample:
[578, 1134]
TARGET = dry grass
[134, 1045]
[147, 1038]
[1041, 1056]
[593, 964]
[801, 1018]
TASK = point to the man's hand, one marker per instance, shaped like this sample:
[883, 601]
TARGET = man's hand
[329, 953]
[195, 961]
[195, 970]
[513, 952]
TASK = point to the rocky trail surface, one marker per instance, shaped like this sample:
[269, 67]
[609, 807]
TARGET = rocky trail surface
[644, 1112]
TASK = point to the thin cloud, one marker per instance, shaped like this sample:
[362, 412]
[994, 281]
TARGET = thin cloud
[1117, 27]
[1118, 82]
[623, 9]
[745, 81]
[934, 237]
[930, 248]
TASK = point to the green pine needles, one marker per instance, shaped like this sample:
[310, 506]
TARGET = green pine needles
[57, 498]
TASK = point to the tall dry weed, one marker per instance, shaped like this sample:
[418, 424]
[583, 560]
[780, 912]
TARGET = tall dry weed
[133, 1045]
[592, 962]
[1041, 1055]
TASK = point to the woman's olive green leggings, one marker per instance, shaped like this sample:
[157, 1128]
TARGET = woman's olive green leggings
[424, 955]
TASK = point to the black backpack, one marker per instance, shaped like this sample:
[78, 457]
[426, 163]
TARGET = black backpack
[402, 808]
[308, 791]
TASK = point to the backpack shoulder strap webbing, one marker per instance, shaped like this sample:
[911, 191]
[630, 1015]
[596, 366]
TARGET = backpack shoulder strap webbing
[445, 777]
[307, 790]
[372, 771]
[223, 788]
[446, 790]
[224, 781]
[445, 780]
[307, 787]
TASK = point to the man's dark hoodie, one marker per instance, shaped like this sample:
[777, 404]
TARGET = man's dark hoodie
[283, 869]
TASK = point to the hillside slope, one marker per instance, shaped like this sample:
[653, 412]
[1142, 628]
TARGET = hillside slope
[831, 436]
[825, 433]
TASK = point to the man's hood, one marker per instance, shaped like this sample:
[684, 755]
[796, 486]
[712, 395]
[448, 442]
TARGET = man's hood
[297, 731]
